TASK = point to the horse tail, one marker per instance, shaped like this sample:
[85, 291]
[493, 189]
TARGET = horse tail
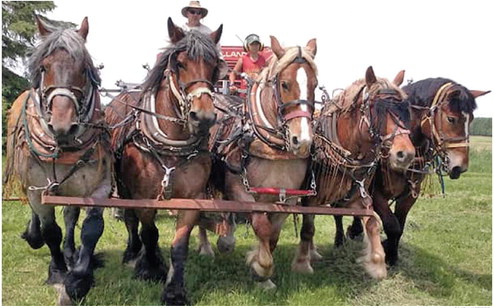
[14, 128]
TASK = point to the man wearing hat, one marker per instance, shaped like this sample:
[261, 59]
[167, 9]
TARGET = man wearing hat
[194, 12]
[252, 63]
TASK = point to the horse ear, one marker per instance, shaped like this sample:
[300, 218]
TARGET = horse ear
[175, 33]
[370, 77]
[399, 78]
[477, 93]
[312, 47]
[216, 35]
[84, 29]
[276, 47]
[42, 28]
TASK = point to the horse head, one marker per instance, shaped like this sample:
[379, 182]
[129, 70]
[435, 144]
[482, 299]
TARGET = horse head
[65, 79]
[194, 66]
[447, 122]
[295, 80]
[374, 120]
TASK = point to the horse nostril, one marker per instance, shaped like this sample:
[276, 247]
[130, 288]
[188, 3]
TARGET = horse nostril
[295, 140]
[73, 129]
[193, 116]
[400, 154]
[50, 127]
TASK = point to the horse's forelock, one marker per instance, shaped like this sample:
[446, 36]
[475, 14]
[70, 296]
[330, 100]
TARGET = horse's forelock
[67, 39]
[277, 65]
[197, 46]
[422, 93]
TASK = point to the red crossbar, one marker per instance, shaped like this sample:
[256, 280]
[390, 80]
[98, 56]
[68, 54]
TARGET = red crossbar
[278, 191]
[205, 206]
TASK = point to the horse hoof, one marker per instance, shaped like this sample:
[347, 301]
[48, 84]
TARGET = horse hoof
[63, 298]
[267, 285]
[377, 270]
[78, 285]
[35, 242]
[206, 250]
[55, 275]
[315, 256]
[130, 256]
[302, 267]
[153, 270]
[226, 244]
[174, 297]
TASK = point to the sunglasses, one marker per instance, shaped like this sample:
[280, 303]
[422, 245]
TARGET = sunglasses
[195, 12]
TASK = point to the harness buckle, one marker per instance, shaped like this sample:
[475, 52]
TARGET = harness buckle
[363, 192]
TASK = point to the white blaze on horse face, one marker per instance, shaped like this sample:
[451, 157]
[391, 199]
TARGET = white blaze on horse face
[304, 122]
[467, 123]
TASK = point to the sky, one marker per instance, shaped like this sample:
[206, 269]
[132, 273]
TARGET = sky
[451, 39]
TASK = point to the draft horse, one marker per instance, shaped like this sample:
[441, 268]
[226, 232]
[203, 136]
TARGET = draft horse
[160, 142]
[363, 123]
[441, 112]
[269, 148]
[58, 144]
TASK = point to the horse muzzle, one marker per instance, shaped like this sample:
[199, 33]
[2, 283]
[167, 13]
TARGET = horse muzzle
[401, 159]
[201, 121]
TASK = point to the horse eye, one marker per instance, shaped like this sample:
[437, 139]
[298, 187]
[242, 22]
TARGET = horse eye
[284, 85]
[451, 120]
[180, 65]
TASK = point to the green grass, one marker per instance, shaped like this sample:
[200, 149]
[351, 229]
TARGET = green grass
[446, 259]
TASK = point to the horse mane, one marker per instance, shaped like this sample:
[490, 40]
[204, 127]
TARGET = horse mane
[70, 41]
[196, 44]
[421, 93]
[347, 98]
[277, 65]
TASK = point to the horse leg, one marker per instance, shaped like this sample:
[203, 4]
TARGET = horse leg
[226, 243]
[301, 262]
[149, 263]
[32, 234]
[391, 227]
[339, 238]
[134, 243]
[403, 206]
[80, 278]
[174, 293]
[205, 248]
[260, 259]
[52, 235]
[70, 216]
[373, 253]
[355, 229]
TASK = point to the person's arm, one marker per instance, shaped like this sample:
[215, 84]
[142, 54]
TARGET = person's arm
[236, 70]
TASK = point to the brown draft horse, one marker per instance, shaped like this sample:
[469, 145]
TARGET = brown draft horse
[58, 144]
[163, 153]
[365, 122]
[442, 111]
[270, 147]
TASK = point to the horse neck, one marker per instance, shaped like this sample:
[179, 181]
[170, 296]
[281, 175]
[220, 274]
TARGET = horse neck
[168, 105]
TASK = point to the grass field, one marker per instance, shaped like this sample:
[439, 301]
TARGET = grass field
[446, 259]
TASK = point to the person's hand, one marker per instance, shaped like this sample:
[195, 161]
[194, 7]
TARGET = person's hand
[233, 89]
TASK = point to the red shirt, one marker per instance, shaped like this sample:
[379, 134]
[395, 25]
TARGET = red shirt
[249, 66]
